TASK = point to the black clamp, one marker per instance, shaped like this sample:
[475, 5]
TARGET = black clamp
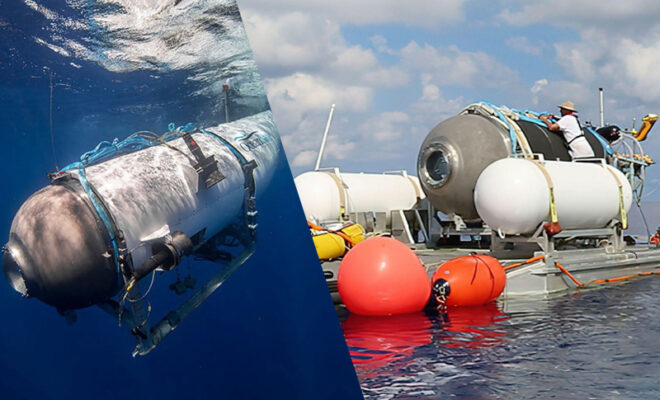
[249, 199]
[206, 167]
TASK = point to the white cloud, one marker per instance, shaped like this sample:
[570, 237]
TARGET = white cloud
[452, 66]
[380, 43]
[305, 43]
[300, 104]
[616, 46]
[608, 13]
[305, 159]
[523, 45]
[292, 40]
[357, 65]
[536, 88]
[624, 66]
[299, 93]
[429, 14]
[547, 95]
[388, 126]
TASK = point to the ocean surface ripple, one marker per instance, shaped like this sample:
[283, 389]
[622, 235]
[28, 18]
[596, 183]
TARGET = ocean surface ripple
[593, 344]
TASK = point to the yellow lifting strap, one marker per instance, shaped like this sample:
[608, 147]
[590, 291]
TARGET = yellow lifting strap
[622, 207]
[548, 179]
[342, 193]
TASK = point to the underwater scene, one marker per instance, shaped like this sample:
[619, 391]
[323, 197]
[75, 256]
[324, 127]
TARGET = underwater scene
[154, 242]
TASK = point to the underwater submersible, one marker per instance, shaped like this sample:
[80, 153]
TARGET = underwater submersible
[131, 207]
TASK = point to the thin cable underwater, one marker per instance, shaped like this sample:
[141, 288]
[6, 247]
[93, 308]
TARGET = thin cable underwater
[50, 124]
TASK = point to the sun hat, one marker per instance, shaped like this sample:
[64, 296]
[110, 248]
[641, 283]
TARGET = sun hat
[568, 105]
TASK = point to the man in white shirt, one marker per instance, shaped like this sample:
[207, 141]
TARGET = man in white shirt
[569, 126]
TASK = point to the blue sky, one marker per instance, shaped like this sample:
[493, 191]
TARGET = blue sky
[395, 69]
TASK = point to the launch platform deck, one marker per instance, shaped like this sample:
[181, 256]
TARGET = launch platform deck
[542, 277]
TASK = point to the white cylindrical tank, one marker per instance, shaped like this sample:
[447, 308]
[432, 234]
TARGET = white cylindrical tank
[326, 194]
[512, 195]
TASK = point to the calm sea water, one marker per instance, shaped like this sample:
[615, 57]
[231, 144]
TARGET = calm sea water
[592, 344]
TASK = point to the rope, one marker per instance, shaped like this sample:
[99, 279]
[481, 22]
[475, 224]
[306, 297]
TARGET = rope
[625, 278]
[136, 141]
[50, 124]
[528, 261]
[602, 281]
[337, 232]
[100, 210]
[565, 271]
[507, 117]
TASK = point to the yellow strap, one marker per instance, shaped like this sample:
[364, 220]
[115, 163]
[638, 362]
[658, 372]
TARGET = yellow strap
[548, 179]
[342, 193]
[622, 208]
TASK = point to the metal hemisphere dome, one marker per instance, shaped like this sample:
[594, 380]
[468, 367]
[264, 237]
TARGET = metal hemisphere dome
[453, 155]
[58, 250]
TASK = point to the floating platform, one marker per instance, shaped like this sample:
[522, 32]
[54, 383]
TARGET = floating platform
[541, 278]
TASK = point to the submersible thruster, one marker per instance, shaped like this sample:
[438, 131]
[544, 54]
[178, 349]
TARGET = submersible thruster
[133, 206]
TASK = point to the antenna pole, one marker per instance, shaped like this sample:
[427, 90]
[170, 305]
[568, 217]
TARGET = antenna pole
[325, 138]
[52, 137]
[602, 115]
[225, 89]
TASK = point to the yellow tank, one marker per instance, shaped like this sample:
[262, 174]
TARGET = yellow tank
[334, 244]
[355, 233]
[329, 245]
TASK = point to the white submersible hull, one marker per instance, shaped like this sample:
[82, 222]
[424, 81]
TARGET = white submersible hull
[136, 206]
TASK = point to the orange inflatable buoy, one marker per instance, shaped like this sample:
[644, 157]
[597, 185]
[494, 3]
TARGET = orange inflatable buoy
[382, 276]
[469, 280]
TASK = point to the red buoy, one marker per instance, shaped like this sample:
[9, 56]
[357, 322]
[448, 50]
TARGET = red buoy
[382, 276]
[469, 280]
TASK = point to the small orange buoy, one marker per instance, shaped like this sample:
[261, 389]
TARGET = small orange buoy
[469, 280]
[382, 276]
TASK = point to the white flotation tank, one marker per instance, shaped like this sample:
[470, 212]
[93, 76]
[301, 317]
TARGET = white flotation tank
[326, 195]
[512, 195]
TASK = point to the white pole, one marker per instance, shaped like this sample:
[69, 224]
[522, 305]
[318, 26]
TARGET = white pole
[602, 115]
[225, 88]
[325, 138]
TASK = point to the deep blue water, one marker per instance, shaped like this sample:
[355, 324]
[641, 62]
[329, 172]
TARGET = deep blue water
[592, 344]
[270, 331]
